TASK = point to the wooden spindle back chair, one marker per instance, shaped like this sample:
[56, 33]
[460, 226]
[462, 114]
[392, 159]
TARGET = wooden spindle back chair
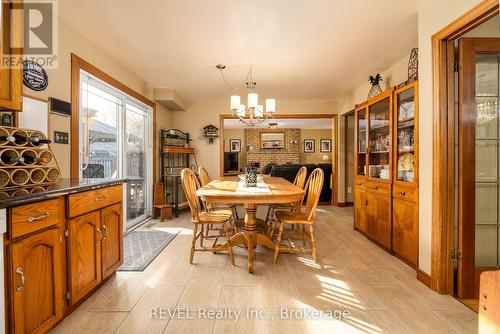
[302, 218]
[204, 218]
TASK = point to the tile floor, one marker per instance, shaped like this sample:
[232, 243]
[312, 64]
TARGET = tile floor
[379, 293]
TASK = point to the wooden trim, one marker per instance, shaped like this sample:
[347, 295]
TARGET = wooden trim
[78, 64]
[424, 278]
[443, 190]
[334, 127]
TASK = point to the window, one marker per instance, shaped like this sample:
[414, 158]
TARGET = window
[115, 142]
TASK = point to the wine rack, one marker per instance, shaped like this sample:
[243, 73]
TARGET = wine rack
[26, 161]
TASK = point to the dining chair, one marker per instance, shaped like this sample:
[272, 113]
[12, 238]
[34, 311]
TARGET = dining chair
[299, 181]
[204, 180]
[201, 218]
[302, 218]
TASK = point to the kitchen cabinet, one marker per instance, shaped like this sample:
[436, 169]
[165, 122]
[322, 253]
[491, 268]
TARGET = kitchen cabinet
[84, 254]
[11, 25]
[95, 239]
[58, 251]
[111, 244]
[36, 291]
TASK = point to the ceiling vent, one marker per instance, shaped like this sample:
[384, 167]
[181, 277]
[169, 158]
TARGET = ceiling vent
[170, 99]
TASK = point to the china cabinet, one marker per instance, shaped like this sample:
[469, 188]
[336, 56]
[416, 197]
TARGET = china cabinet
[386, 171]
[373, 170]
[405, 188]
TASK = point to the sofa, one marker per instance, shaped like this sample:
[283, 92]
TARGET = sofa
[288, 172]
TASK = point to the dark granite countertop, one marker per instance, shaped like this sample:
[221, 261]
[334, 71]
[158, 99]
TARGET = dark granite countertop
[24, 195]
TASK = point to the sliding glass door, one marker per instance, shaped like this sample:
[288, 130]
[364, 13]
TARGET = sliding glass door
[115, 142]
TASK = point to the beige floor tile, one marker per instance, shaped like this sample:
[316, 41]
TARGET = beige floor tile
[122, 296]
[414, 316]
[462, 321]
[97, 323]
[239, 299]
[150, 314]
[185, 326]
[376, 322]
[203, 288]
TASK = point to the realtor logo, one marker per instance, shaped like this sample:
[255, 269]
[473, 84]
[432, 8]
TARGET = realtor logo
[32, 27]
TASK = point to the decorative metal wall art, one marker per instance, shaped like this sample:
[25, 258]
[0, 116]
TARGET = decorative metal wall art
[375, 82]
[413, 65]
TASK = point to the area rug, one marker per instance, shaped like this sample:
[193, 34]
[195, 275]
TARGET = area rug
[140, 248]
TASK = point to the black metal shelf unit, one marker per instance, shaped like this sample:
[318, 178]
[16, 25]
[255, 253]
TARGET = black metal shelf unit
[175, 155]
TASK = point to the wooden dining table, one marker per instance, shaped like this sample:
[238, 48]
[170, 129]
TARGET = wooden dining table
[225, 190]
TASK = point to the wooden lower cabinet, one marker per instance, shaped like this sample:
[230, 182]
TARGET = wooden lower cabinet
[84, 254]
[378, 218]
[95, 249]
[360, 210]
[112, 240]
[405, 230]
[36, 291]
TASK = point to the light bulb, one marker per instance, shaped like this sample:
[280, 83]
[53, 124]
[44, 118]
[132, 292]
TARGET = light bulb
[235, 102]
[253, 100]
[270, 105]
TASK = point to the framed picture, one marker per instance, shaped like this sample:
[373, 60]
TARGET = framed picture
[234, 145]
[309, 145]
[326, 145]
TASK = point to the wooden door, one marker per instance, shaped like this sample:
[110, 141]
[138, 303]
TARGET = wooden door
[112, 239]
[478, 152]
[11, 26]
[360, 209]
[84, 254]
[378, 218]
[405, 230]
[36, 287]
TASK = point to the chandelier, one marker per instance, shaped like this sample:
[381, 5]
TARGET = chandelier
[252, 113]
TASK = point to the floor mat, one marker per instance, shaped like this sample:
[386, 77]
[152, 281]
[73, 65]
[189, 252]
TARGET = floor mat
[140, 248]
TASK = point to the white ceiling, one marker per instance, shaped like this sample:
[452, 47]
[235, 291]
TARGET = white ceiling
[283, 123]
[303, 49]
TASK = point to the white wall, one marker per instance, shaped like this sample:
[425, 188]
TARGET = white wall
[71, 41]
[202, 113]
[433, 16]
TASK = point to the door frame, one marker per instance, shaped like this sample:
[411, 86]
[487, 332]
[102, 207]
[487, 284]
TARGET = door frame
[77, 65]
[335, 138]
[443, 148]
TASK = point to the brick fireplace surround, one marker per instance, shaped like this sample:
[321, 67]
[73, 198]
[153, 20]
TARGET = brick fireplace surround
[290, 154]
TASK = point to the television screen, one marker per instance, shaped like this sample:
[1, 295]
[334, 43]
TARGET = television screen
[231, 161]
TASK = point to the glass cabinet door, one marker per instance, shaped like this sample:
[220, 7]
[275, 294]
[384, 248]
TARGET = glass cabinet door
[405, 131]
[379, 140]
[361, 144]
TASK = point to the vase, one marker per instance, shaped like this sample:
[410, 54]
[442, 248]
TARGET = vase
[251, 177]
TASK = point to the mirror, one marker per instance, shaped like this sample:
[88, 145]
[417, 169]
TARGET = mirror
[272, 140]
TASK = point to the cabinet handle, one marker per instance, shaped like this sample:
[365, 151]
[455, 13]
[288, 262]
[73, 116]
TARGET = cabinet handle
[100, 198]
[32, 219]
[376, 188]
[366, 201]
[105, 234]
[20, 272]
[402, 193]
[98, 230]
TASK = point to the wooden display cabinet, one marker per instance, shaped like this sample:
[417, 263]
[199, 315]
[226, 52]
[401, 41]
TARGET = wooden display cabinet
[405, 166]
[386, 171]
[373, 168]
